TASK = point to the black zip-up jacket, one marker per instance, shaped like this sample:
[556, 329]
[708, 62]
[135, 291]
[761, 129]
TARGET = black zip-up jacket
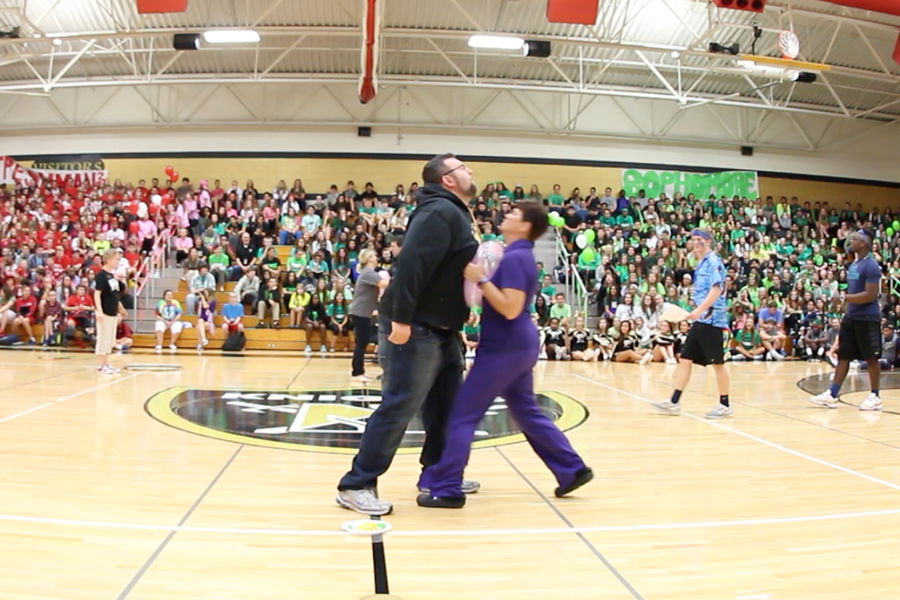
[427, 284]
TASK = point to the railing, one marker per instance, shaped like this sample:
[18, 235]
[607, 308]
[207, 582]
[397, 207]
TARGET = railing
[146, 274]
[577, 293]
[893, 285]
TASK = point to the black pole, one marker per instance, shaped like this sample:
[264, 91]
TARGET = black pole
[379, 563]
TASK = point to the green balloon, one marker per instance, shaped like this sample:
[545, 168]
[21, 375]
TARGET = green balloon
[889, 232]
[589, 254]
[591, 235]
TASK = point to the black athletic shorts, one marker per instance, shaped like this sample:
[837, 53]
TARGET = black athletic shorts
[704, 345]
[859, 340]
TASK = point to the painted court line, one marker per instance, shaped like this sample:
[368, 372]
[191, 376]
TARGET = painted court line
[750, 436]
[452, 533]
[69, 397]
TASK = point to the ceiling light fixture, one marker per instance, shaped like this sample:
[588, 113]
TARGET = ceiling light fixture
[231, 36]
[496, 42]
[57, 42]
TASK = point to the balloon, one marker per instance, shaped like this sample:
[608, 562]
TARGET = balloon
[590, 235]
[169, 170]
[890, 231]
[895, 225]
[581, 240]
[489, 255]
[558, 221]
[589, 254]
[175, 176]
[386, 275]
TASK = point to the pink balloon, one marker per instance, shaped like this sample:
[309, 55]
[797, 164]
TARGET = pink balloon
[386, 275]
[489, 255]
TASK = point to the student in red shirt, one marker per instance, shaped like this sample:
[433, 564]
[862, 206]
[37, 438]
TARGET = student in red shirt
[26, 309]
[79, 306]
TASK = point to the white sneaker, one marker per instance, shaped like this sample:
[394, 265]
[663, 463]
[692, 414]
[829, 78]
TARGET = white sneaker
[158, 348]
[173, 347]
[119, 347]
[364, 502]
[777, 355]
[872, 402]
[720, 412]
[759, 357]
[825, 399]
[738, 358]
[672, 361]
[205, 343]
[543, 356]
[308, 349]
[470, 353]
[646, 358]
[667, 407]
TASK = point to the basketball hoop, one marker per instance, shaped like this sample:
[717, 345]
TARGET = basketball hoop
[789, 44]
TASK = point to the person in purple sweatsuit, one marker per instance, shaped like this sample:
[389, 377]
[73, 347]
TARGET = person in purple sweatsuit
[507, 352]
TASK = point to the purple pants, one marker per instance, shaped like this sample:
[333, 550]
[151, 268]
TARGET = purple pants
[509, 376]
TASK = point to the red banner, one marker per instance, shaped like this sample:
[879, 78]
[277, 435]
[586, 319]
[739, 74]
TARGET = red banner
[13, 172]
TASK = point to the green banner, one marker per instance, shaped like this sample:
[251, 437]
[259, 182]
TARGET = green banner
[701, 185]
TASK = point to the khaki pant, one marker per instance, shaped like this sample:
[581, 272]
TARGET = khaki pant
[275, 309]
[106, 334]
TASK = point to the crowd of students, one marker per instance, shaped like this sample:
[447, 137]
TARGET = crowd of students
[787, 273]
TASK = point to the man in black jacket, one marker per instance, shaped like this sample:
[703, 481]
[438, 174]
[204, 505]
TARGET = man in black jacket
[419, 317]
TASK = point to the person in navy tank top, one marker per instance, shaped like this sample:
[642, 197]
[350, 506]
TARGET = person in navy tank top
[507, 352]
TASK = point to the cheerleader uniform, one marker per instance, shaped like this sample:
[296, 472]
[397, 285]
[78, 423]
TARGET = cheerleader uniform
[632, 342]
[680, 338]
[605, 343]
[664, 340]
[555, 343]
[579, 341]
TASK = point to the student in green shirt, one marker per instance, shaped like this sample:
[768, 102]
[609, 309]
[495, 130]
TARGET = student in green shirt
[548, 289]
[625, 219]
[747, 342]
[339, 316]
[562, 311]
[541, 271]
[218, 266]
[607, 220]
[471, 334]
[556, 199]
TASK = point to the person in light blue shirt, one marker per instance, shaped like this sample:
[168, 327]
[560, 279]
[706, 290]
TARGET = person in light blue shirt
[311, 221]
[705, 341]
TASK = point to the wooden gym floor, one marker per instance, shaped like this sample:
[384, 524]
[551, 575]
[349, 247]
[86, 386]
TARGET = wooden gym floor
[101, 500]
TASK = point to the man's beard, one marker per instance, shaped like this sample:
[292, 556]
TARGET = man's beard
[473, 189]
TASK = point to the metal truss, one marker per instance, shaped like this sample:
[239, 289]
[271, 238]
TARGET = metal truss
[133, 55]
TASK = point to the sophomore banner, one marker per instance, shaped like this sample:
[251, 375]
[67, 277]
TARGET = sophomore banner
[12, 172]
[701, 185]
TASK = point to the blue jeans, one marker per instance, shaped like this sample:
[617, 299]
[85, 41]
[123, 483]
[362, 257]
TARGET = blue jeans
[423, 374]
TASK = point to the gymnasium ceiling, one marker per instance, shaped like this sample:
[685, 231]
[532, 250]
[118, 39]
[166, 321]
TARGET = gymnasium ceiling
[642, 49]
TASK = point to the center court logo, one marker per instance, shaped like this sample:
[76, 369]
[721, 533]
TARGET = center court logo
[325, 420]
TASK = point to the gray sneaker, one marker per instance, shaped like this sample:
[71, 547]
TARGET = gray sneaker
[720, 412]
[668, 408]
[468, 487]
[364, 502]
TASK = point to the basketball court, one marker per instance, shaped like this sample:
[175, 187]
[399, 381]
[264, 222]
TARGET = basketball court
[218, 481]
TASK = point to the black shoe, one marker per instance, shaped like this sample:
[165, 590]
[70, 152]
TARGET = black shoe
[581, 478]
[260, 325]
[429, 501]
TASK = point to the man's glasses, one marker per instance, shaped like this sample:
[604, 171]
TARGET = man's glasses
[456, 168]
